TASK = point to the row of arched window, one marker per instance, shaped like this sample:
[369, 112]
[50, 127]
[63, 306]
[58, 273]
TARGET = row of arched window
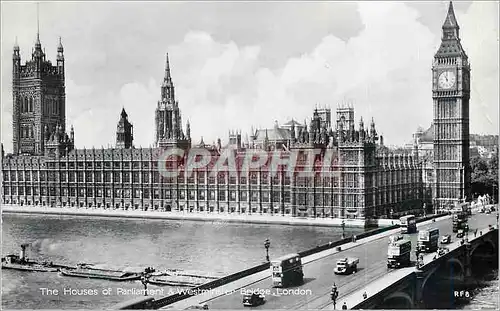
[51, 106]
[27, 131]
[26, 104]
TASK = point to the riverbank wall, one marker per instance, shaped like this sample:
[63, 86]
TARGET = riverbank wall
[200, 216]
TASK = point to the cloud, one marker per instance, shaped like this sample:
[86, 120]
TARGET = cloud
[228, 77]
[386, 67]
[479, 32]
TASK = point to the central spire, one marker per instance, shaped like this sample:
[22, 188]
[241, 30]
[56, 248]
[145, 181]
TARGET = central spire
[167, 70]
[167, 88]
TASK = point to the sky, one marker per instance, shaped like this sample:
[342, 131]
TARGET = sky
[241, 64]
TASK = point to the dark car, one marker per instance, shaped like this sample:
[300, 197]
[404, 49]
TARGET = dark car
[460, 233]
[253, 300]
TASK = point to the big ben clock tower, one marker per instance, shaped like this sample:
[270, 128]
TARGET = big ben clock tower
[450, 93]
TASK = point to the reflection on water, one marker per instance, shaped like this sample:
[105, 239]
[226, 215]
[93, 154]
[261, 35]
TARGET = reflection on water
[125, 243]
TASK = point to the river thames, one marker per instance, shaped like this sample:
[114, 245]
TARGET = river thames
[128, 243]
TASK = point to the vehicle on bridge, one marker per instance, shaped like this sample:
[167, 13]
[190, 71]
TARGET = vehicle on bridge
[460, 233]
[202, 306]
[446, 239]
[394, 238]
[459, 220]
[287, 270]
[428, 240]
[346, 266]
[398, 254]
[253, 300]
[408, 224]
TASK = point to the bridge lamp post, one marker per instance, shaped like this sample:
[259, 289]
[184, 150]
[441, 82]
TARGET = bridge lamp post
[144, 281]
[343, 229]
[267, 244]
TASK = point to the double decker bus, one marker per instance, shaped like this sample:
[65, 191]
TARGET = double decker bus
[408, 224]
[287, 270]
[459, 220]
[428, 240]
[398, 254]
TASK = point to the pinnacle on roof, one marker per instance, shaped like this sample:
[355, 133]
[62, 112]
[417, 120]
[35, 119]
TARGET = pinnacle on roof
[450, 21]
[167, 70]
[124, 114]
[37, 43]
[60, 46]
[16, 45]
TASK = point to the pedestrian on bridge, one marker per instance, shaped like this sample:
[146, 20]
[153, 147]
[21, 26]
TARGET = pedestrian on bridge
[365, 295]
[344, 306]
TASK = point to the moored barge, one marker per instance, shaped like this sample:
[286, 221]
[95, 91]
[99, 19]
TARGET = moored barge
[87, 271]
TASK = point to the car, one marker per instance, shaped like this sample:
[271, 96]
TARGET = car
[199, 307]
[460, 234]
[253, 300]
[446, 239]
[442, 250]
[394, 238]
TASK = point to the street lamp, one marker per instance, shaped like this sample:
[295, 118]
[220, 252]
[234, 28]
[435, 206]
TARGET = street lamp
[343, 229]
[267, 243]
[144, 281]
[334, 294]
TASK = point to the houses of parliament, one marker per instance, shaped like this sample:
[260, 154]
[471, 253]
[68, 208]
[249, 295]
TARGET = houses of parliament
[367, 180]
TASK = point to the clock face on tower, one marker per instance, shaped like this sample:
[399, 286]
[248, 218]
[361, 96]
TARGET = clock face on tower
[446, 79]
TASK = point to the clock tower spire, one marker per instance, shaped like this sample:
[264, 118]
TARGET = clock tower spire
[451, 93]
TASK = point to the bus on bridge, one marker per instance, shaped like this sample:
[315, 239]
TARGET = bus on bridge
[408, 224]
[287, 270]
[398, 254]
[428, 240]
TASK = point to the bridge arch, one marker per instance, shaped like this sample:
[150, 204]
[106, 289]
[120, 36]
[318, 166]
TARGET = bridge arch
[485, 243]
[453, 262]
[398, 300]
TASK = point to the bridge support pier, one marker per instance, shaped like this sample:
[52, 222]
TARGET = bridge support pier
[419, 289]
[468, 260]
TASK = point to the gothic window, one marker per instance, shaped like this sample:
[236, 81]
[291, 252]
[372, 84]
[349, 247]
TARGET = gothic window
[116, 177]
[126, 177]
[25, 106]
[254, 196]
[286, 196]
[221, 195]
[71, 176]
[243, 196]
[88, 176]
[191, 195]
[135, 177]
[31, 105]
[275, 196]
